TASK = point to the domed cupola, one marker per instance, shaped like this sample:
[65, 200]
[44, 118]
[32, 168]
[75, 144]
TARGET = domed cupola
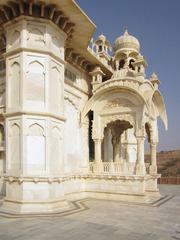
[126, 43]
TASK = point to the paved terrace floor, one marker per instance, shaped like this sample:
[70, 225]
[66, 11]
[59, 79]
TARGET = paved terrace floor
[102, 220]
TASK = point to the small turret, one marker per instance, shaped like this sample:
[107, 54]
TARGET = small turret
[97, 75]
[139, 65]
[102, 48]
[154, 80]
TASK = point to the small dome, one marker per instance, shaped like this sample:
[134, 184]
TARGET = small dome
[102, 38]
[126, 42]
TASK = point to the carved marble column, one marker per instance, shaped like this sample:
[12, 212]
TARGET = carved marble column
[116, 142]
[97, 146]
[153, 165]
[140, 165]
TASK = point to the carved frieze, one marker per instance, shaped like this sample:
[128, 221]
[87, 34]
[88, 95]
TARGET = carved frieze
[133, 84]
[117, 103]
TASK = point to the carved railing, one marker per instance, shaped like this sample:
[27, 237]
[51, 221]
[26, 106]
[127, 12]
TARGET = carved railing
[114, 168]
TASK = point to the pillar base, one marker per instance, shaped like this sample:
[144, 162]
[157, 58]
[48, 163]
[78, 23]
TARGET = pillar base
[153, 169]
[99, 167]
[140, 169]
[151, 185]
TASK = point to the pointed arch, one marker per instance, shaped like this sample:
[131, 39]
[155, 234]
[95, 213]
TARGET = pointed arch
[15, 130]
[36, 65]
[35, 130]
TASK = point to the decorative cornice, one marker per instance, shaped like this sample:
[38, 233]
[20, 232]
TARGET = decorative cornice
[76, 59]
[41, 51]
[14, 9]
[41, 114]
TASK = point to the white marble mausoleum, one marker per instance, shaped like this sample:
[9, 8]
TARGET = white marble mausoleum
[74, 112]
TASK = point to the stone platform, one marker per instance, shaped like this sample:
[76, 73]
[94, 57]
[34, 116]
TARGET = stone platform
[100, 219]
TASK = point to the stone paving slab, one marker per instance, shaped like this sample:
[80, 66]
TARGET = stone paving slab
[102, 220]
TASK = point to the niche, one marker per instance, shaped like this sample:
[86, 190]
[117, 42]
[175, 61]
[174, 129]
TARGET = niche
[36, 82]
[15, 85]
[36, 147]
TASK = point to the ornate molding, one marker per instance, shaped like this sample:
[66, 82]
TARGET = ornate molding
[118, 102]
[41, 114]
[61, 179]
[129, 83]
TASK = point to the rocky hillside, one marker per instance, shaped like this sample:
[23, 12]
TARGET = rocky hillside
[168, 162]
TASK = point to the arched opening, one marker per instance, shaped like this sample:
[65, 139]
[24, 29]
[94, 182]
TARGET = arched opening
[112, 152]
[108, 108]
[117, 128]
[121, 64]
[100, 48]
[131, 64]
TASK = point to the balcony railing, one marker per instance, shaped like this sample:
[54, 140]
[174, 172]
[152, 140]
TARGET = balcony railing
[114, 168]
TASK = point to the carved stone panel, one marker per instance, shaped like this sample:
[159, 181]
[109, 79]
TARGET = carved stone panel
[14, 83]
[35, 80]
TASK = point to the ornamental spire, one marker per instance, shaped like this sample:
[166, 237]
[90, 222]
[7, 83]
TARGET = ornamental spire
[126, 31]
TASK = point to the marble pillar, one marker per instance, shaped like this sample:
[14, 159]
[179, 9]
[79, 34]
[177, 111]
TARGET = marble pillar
[140, 165]
[153, 165]
[98, 158]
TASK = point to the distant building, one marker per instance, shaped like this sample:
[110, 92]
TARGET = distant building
[74, 118]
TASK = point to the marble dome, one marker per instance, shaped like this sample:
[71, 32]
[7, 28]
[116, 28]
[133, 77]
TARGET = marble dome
[126, 42]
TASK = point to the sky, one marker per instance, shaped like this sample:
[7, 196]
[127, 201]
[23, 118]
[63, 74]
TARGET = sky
[156, 25]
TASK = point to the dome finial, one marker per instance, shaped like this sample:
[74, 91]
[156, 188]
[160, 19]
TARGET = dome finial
[126, 31]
